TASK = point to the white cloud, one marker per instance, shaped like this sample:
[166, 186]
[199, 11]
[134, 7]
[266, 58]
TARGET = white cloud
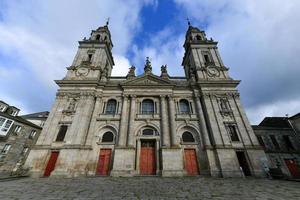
[39, 38]
[165, 47]
[122, 66]
[258, 40]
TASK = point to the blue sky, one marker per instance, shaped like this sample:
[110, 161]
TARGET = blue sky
[258, 41]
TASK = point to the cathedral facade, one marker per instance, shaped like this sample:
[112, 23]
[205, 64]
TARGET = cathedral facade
[147, 124]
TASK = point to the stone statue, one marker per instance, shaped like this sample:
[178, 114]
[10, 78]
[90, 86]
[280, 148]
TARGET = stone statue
[131, 72]
[72, 105]
[164, 71]
[148, 67]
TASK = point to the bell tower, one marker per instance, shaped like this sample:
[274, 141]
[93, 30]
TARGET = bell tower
[202, 59]
[93, 60]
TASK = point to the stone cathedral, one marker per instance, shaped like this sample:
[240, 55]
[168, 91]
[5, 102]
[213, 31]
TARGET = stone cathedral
[147, 124]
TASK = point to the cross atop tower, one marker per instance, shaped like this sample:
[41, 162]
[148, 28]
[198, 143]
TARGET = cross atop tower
[107, 21]
[188, 20]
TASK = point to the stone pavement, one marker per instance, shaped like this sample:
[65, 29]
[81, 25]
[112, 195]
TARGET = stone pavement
[149, 188]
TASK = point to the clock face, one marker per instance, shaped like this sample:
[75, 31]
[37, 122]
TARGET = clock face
[212, 71]
[82, 71]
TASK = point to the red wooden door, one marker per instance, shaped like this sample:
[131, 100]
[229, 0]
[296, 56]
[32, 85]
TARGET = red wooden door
[51, 163]
[147, 158]
[103, 162]
[191, 164]
[291, 164]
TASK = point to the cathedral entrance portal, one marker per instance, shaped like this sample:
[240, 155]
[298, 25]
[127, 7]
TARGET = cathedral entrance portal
[147, 158]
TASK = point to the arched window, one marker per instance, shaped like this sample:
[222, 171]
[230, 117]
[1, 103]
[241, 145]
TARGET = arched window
[198, 37]
[187, 137]
[148, 131]
[184, 106]
[111, 107]
[97, 37]
[108, 137]
[147, 107]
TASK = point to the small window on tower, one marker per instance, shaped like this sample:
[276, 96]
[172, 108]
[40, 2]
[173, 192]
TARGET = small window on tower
[206, 58]
[62, 133]
[97, 37]
[233, 133]
[198, 37]
[90, 57]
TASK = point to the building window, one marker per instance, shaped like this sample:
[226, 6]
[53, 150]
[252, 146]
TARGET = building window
[147, 107]
[198, 37]
[5, 124]
[108, 137]
[32, 134]
[90, 57]
[260, 141]
[288, 142]
[148, 131]
[188, 137]
[2, 108]
[274, 141]
[24, 151]
[97, 37]
[2, 120]
[184, 106]
[233, 133]
[6, 149]
[111, 107]
[61, 133]
[14, 112]
[18, 129]
[206, 58]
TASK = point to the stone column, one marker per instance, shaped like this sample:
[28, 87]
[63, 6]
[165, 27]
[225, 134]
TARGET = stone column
[172, 120]
[123, 123]
[130, 134]
[164, 123]
[203, 128]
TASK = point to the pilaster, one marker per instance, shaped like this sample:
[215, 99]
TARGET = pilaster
[130, 134]
[172, 120]
[164, 122]
[123, 122]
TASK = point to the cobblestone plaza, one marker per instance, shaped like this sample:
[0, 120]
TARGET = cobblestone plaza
[149, 188]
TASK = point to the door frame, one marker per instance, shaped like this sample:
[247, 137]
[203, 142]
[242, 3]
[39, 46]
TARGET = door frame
[49, 157]
[110, 161]
[247, 160]
[288, 169]
[196, 156]
[138, 152]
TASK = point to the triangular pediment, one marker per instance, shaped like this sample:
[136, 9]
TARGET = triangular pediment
[147, 80]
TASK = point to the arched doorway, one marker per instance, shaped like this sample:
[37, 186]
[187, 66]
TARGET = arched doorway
[148, 148]
[106, 141]
[190, 155]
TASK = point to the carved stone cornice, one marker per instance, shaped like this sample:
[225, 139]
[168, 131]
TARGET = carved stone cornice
[221, 94]
[68, 94]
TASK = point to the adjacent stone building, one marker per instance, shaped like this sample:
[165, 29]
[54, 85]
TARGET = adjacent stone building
[147, 124]
[16, 138]
[38, 118]
[281, 144]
